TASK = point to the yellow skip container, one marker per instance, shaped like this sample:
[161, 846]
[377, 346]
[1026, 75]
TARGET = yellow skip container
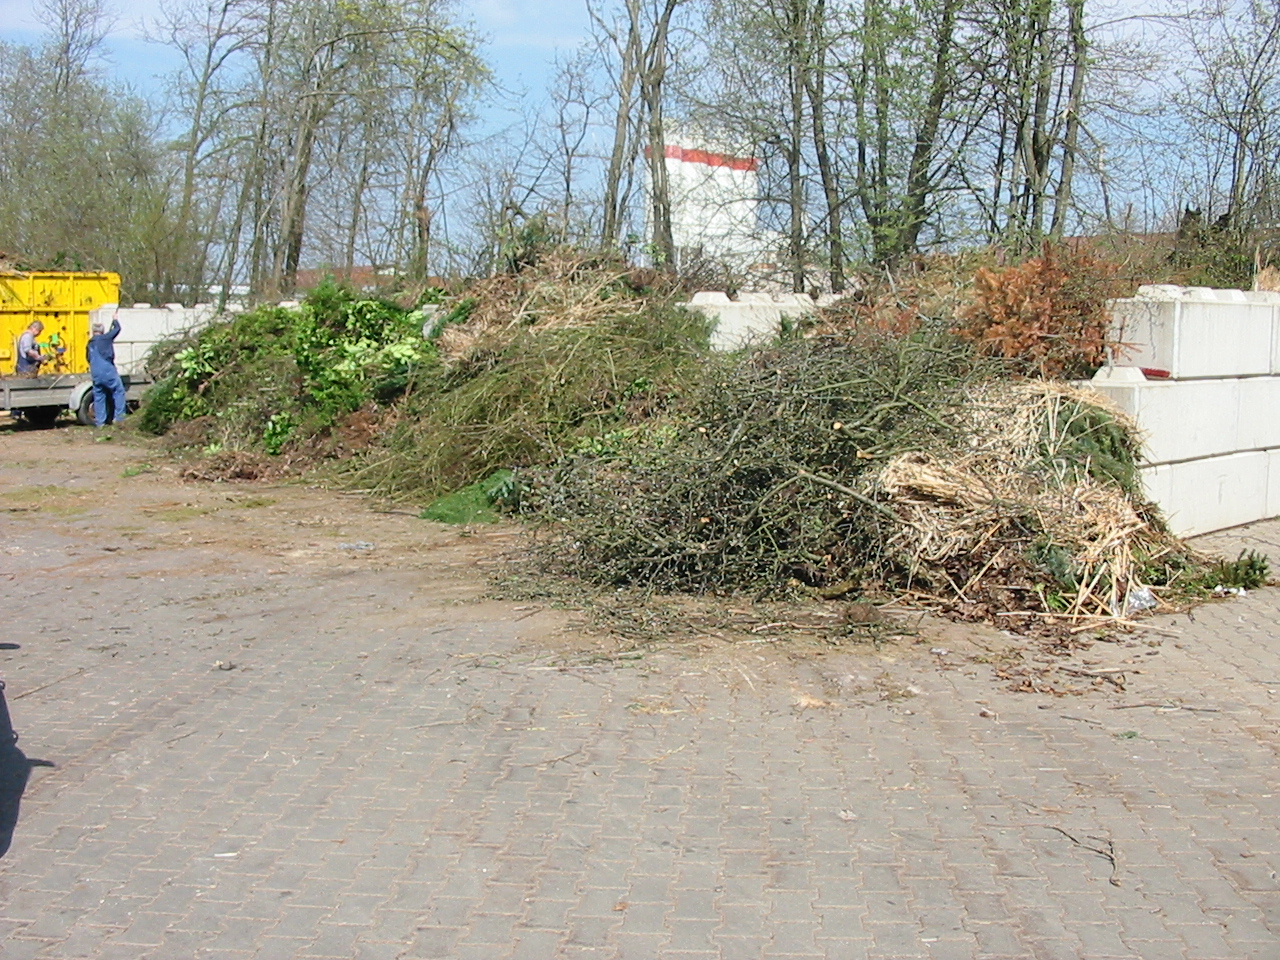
[61, 301]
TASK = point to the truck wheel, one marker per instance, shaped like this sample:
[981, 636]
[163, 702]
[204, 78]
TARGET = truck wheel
[41, 417]
[84, 412]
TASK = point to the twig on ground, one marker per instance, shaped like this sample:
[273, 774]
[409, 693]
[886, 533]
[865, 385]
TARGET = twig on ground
[1109, 853]
[46, 686]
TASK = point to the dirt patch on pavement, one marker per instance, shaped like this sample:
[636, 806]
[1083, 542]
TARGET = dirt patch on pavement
[122, 493]
[118, 495]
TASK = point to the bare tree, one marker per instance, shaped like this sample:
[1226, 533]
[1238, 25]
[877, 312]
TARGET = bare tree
[627, 46]
[652, 79]
[1230, 100]
[77, 29]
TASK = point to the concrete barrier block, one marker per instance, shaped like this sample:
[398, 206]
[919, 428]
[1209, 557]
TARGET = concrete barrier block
[1193, 332]
[1121, 393]
[1200, 496]
[1145, 327]
[1272, 504]
[1258, 425]
[751, 318]
[1184, 421]
[1181, 420]
[1157, 483]
[1224, 339]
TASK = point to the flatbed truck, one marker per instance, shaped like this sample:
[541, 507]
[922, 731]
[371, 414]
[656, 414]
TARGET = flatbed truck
[67, 303]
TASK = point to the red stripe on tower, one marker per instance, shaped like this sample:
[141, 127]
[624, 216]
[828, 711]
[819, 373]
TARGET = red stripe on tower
[710, 159]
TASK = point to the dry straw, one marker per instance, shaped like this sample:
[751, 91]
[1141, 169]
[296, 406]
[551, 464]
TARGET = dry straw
[1021, 485]
[565, 290]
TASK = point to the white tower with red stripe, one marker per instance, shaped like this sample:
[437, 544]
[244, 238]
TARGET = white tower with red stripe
[715, 201]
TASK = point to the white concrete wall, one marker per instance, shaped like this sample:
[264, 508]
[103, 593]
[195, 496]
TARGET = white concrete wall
[1185, 420]
[751, 318]
[1195, 332]
[1211, 431]
[1212, 493]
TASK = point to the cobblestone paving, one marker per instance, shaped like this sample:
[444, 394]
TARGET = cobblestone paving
[379, 775]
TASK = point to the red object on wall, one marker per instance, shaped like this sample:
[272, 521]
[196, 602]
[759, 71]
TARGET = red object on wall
[689, 155]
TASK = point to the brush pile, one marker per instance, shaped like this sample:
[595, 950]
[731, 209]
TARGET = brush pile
[1037, 508]
[564, 289]
[530, 396]
[864, 465]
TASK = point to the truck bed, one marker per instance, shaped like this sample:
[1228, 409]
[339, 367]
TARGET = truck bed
[57, 390]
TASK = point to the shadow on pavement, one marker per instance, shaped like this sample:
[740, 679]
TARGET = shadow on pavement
[15, 770]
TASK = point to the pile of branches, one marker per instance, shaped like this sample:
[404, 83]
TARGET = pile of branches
[531, 398]
[759, 481]
[564, 288]
[862, 465]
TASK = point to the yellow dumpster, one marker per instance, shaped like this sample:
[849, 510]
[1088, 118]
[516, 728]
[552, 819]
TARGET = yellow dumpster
[61, 301]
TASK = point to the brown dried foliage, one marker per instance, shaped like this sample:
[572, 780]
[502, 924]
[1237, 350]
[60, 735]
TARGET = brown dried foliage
[1047, 316]
[227, 465]
[929, 287]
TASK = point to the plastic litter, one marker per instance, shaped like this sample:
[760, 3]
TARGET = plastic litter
[358, 545]
[1139, 600]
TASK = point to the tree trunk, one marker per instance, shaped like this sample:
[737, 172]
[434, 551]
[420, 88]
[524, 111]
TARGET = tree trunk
[920, 182]
[288, 251]
[1041, 140]
[357, 212]
[651, 89]
[797, 81]
[623, 149]
[821, 148]
[1071, 135]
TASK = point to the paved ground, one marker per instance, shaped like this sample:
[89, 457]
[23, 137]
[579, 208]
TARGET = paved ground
[386, 773]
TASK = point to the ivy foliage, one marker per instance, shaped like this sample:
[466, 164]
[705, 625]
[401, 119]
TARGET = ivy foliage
[275, 376]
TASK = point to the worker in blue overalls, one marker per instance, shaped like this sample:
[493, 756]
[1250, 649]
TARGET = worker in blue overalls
[101, 352]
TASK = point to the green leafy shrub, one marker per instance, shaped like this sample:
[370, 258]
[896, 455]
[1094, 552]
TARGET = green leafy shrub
[277, 433]
[273, 376]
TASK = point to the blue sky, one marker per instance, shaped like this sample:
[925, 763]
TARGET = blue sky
[523, 37]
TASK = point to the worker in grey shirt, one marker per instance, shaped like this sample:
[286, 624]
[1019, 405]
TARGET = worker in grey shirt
[29, 356]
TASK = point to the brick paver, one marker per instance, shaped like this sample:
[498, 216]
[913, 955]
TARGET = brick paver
[382, 775]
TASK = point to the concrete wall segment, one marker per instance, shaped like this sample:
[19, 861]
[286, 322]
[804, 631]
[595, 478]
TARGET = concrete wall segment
[1199, 337]
[1214, 493]
[1272, 505]
[1224, 339]
[750, 318]
[1210, 432]
[1198, 418]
